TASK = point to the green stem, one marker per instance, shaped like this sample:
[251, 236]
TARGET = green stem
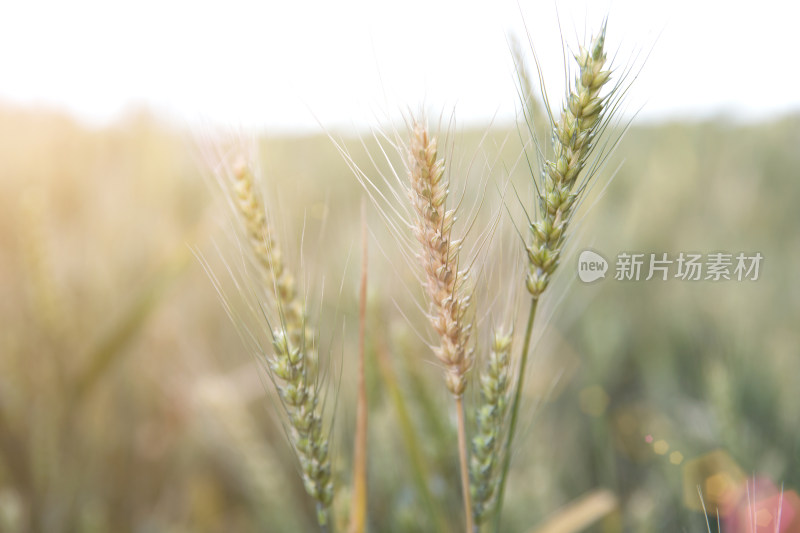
[322, 518]
[464, 462]
[501, 488]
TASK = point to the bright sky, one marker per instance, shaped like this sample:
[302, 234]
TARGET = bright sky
[285, 64]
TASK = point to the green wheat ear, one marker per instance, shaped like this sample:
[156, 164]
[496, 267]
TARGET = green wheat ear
[574, 137]
[292, 363]
[561, 184]
[486, 444]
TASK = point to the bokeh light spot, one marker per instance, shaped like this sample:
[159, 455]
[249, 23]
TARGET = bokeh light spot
[763, 517]
[661, 447]
[718, 486]
[717, 474]
[761, 504]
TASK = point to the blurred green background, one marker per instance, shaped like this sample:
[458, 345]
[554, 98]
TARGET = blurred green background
[128, 402]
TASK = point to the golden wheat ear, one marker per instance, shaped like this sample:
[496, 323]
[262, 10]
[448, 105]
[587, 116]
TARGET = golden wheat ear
[448, 293]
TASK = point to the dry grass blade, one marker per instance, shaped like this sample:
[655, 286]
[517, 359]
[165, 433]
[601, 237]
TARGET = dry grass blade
[581, 513]
[358, 504]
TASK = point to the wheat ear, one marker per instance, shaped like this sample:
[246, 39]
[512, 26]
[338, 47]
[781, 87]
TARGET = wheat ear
[574, 136]
[490, 417]
[292, 366]
[268, 254]
[445, 285]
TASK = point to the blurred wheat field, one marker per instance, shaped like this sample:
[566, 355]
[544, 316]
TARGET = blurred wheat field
[129, 403]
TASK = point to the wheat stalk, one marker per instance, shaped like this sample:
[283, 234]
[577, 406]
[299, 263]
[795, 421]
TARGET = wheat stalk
[445, 285]
[584, 116]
